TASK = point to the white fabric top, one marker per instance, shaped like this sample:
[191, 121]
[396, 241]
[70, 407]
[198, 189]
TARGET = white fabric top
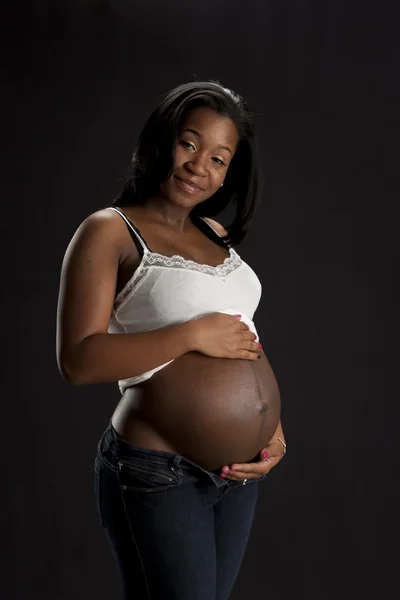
[167, 290]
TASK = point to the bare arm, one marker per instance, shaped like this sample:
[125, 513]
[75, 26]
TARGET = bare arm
[86, 352]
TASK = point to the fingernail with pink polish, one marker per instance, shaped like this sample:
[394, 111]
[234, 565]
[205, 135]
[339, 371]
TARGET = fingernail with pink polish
[265, 454]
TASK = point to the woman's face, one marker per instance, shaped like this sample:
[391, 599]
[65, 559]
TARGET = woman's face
[204, 149]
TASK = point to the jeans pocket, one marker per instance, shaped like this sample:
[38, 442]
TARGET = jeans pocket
[143, 475]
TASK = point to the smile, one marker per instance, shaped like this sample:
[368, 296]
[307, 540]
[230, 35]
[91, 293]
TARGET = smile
[188, 187]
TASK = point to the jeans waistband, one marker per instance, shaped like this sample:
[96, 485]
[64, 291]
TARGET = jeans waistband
[112, 446]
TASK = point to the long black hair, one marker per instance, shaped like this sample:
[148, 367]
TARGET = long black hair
[153, 159]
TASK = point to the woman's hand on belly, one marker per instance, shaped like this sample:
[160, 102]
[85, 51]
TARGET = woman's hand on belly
[270, 456]
[220, 335]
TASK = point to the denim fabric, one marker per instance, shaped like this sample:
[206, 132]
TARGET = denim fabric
[177, 531]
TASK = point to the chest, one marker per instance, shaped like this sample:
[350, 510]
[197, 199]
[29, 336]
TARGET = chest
[195, 250]
[168, 290]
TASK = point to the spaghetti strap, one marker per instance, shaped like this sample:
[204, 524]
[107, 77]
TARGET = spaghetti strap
[132, 228]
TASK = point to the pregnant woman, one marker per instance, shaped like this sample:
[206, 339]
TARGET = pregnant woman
[154, 295]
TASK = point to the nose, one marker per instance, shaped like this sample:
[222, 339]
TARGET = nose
[197, 165]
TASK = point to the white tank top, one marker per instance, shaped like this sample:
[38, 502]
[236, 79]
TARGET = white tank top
[167, 290]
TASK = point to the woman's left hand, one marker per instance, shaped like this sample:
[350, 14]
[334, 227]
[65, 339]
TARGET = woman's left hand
[270, 456]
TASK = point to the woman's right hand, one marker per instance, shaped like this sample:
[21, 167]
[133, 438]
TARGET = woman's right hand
[223, 336]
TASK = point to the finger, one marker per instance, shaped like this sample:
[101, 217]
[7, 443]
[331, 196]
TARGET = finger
[240, 472]
[272, 458]
[249, 340]
[239, 477]
[248, 354]
[272, 453]
[227, 473]
[251, 345]
[259, 468]
[249, 335]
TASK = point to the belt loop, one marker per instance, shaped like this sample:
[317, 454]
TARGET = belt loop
[176, 461]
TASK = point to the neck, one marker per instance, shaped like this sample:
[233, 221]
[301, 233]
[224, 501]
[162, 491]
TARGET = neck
[164, 211]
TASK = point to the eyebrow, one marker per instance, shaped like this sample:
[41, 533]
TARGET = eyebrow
[200, 136]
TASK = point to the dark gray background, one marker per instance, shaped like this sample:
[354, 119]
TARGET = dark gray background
[80, 77]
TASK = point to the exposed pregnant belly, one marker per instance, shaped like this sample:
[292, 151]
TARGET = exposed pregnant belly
[213, 411]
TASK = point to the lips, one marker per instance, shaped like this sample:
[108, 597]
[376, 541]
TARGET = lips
[188, 184]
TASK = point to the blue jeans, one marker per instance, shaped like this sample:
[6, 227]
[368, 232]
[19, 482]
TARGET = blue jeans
[177, 531]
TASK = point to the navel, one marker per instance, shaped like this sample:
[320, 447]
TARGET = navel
[262, 408]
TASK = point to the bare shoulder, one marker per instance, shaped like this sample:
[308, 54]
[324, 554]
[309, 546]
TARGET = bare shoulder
[102, 235]
[103, 218]
[217, 226]
[104, 225]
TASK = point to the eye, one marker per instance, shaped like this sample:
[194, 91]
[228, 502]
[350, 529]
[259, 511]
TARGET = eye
[187, 145]
[218, 160]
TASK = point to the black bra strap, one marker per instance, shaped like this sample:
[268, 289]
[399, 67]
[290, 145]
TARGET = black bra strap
[201, 224]
[134, 232]
[209, 231]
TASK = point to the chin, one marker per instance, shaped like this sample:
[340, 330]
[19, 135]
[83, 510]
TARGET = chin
[179, 197]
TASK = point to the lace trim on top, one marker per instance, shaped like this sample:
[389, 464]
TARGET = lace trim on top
[231, 263]
[177, 261]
